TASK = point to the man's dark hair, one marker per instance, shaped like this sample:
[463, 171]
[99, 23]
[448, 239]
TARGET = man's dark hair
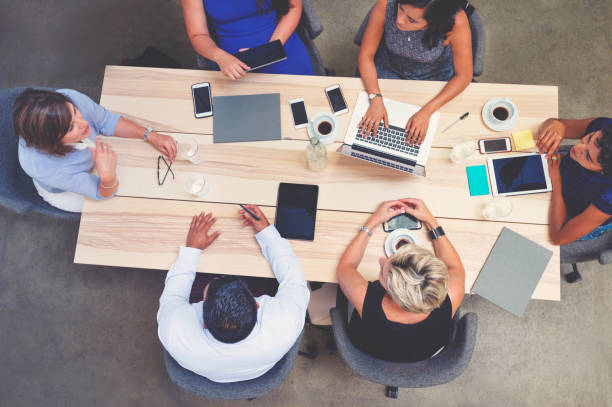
[605, 154]
[440, 16]
[230, 310]
[43, 118]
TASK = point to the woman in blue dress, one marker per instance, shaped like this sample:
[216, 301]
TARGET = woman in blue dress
[243, 24]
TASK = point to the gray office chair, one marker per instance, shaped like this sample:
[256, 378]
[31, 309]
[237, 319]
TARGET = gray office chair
[309, 28]
[248, 389]
[478, 36]
[17, 191]
[440, 369]
[599, 248]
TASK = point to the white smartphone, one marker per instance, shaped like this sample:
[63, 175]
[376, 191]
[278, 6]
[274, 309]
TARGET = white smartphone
[298, 110]
[202, 101]
[494, 145]
[336, 100]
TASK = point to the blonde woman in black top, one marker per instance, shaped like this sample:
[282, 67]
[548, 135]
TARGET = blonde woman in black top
[407, 314]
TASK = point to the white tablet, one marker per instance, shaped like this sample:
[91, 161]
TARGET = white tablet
[519, 174]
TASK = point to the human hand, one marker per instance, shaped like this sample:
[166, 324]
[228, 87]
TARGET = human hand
[417, 208]
[385, 211]
[198, 236]
[375, 113]
[231, 66]
[550, 135]
[554, 169]
[105, 161]
[164, 144]
[258, 225]
[417, 126]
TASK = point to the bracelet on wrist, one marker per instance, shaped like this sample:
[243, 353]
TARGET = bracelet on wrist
[365, 229]
[112, 186]
[146, 133]
[436, 233]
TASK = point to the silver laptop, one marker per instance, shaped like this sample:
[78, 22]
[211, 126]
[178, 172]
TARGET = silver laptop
[389, 147]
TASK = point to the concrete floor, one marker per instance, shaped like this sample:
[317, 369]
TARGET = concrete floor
[77, 335]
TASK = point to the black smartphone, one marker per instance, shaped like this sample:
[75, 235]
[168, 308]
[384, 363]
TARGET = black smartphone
[262, 55]
[202, 101]
[336, 99]
[401, 221]
[296, 210]
[298, 111]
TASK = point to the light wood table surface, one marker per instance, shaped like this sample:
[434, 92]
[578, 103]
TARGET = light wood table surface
[145, 224]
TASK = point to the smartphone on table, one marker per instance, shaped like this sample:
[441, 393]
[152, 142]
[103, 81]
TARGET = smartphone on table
[494, 145]
[401, 221]
[298, 111]
[336, 100]
[202, 100]
[296, 210]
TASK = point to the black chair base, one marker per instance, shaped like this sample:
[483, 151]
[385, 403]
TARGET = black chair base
[392, 392]
[573, 276]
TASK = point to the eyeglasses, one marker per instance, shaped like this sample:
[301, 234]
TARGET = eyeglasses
[160, 181]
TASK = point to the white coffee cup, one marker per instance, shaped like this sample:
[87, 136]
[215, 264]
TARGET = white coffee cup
[195, 184]
[325, 126]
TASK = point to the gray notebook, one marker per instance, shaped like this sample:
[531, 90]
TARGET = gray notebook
[512, 271]
[246, 118]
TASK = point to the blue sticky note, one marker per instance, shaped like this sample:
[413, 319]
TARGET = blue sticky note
[477, 180]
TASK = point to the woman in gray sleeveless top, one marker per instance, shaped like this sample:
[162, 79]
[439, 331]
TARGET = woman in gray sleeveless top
[419, 40]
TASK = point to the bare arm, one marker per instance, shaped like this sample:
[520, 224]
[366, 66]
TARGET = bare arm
[460, 40]
[552, 132]
[352, 283]
[365, 61]
[164, 144]
[443, 249]
[288, 23]
[199, 35]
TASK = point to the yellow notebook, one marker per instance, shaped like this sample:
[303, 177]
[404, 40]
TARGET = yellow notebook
[523, 140]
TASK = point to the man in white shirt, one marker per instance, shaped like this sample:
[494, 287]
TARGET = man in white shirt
[232, 336]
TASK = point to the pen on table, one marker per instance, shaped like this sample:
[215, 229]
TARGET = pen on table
[463, 116]
[249, 212]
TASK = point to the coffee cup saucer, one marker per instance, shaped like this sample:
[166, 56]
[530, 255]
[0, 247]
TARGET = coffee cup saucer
[394, 237]
[319, 117]
[494, 123]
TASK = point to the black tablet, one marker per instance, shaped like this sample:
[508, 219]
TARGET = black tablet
[296, 210]
[262, 55]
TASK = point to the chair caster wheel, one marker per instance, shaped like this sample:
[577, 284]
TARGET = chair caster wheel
[392, 392]
[311, 351]
[574, 276]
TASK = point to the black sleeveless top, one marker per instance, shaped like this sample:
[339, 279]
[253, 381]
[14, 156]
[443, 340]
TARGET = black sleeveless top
[394, 341]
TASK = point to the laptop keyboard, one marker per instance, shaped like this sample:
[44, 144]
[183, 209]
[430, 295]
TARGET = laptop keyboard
[382, 162]
[392, 138]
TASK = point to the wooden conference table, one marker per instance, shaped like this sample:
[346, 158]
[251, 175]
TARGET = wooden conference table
[144, 225]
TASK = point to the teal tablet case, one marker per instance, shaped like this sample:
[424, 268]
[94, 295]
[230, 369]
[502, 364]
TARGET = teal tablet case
[477, 180]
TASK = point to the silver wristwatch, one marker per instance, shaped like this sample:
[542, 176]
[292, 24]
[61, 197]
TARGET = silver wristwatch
[371, 96]
[368, 231]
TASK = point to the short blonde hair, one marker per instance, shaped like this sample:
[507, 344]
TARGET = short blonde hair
[417, 279]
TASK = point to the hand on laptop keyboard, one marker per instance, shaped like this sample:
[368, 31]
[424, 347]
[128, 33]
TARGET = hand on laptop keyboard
[376, 114]
[417, 127]
[390, 137]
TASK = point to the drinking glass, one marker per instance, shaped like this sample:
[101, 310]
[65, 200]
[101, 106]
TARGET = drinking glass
[496, 208]
[462, 150]
[188, 150]
[195, 184]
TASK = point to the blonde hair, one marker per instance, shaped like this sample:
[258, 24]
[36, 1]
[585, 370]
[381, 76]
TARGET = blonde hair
[417, 279]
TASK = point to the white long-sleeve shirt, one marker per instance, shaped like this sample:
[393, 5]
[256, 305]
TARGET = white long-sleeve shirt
[280, 319]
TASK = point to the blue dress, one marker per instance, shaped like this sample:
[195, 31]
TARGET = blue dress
[238, 24]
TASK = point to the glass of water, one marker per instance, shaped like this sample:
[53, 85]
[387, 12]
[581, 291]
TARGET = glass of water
[188, 149]
[498, 207]
[195, 184]
[463, 150]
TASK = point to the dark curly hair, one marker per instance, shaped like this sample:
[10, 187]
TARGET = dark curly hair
[440, 17]
[605, 154]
